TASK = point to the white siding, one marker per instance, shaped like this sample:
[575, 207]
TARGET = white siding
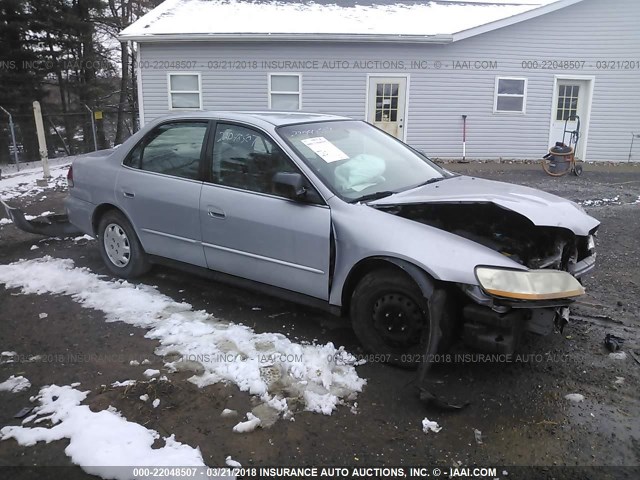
[591, 31]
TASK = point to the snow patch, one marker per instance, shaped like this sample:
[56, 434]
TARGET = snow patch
[618, 355]
[250, 425]
[97, 439]
[429, 426]
[267, 365]
[422, 18]
[23, 183]
[574, 397]
[15, 384]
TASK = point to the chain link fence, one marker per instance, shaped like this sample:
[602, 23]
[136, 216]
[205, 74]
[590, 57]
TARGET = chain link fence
[69, 133]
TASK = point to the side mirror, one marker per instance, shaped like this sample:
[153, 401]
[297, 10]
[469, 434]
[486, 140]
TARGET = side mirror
[290, 184]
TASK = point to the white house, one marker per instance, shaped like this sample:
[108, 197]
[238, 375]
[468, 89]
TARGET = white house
[517, 70]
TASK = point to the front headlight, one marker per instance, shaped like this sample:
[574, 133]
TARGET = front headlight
[528, 284]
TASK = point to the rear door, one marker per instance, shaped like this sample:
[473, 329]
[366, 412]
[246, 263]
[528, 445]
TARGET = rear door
[159, 190]
[251, 230]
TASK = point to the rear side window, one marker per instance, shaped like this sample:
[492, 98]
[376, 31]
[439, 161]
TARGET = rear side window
[171, 149]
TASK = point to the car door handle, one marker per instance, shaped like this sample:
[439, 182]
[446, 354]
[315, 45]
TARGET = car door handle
[215, 212]
[129, 194]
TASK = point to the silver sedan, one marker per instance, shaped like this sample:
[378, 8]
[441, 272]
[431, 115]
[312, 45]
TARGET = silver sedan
[335, 213]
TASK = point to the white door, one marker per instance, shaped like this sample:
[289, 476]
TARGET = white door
[386, 104]
[571, 100]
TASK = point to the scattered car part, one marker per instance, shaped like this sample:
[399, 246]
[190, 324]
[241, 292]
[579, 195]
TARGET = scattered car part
[57, 225]
[613, 343]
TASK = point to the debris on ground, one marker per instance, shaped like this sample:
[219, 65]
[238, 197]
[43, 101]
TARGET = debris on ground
[151, 372]
[612, 342]
[227, 412]
[619, 380]
[155, 403]
[232, 463]
[23, 412]
[15, 384]
[43, 315]
[144, 398]
[618, 355]
[429, 426]
[478, 436]
[574, 397]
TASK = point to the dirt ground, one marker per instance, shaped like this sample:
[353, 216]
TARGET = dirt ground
[519, 406]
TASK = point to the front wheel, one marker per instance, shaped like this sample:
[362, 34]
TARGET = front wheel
[120, 248]
[389, 315]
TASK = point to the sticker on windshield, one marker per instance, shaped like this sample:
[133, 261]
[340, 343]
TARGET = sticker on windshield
[326, 150]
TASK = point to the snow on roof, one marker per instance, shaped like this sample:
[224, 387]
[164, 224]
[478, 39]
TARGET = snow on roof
[184, 19]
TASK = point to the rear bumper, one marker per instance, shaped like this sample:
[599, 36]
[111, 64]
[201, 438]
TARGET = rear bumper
[50, 225]
[80, 214]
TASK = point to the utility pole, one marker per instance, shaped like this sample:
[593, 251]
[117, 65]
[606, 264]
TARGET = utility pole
[13, 138]
[42, 141]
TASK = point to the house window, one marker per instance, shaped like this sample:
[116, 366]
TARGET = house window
[510, 95]
[567, 102]
[184, 91]
[285, 91]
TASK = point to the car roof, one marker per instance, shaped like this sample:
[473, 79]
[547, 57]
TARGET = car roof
[275, 118]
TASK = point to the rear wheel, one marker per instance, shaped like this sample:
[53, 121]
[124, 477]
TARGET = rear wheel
[389, 314]
[120, 248]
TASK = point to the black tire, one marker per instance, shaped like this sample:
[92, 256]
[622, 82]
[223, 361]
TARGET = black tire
[128, 248]
[389, 314]
[577, 170]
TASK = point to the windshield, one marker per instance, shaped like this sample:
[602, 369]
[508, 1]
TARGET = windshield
[358, 161]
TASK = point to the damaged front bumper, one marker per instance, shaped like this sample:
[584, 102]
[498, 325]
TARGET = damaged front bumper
[56, 225]
[497, 324]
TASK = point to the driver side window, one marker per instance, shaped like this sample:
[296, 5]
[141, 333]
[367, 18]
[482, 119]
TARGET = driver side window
[247, 159]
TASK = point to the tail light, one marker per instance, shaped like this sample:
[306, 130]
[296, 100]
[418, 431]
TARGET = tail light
[70, 177]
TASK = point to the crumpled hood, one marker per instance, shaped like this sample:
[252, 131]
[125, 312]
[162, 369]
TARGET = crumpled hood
[541, 208]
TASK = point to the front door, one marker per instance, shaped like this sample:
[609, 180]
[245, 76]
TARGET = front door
[252, 230]
[570, 104]
[386, 104]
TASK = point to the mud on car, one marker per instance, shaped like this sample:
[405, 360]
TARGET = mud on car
[334, 213]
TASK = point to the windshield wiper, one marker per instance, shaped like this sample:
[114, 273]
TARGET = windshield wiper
[431, 180]
[373, 196]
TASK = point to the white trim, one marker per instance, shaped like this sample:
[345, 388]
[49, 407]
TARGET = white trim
[439, 39]
[283, 92]
[586, 123]
[169, 91]
[496, 95]
[407, 77]
[520, 17]
[139, 83]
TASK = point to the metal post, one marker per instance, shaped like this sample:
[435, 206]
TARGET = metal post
[93, 127]
[42, 141]
[464, 138]
[13, 138]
